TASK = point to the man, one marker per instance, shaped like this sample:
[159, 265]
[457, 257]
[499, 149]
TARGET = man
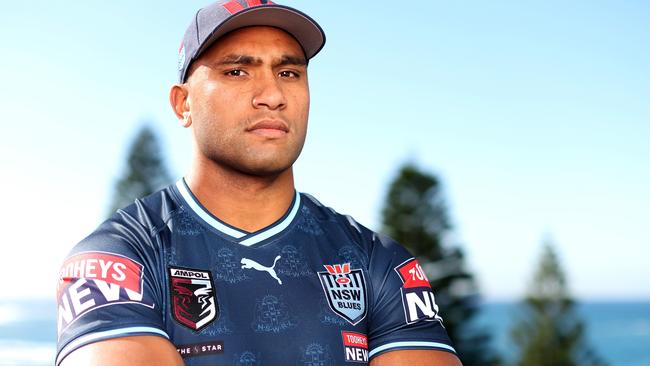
[231, 265]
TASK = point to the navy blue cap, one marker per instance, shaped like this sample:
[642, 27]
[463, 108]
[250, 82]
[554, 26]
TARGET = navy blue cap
[225, 16]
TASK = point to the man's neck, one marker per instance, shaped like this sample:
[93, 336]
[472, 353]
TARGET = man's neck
[246, 202]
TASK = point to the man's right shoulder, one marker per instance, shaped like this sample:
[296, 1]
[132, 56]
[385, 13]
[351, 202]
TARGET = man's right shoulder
[110, 283]
[136, 223]
[151, 212]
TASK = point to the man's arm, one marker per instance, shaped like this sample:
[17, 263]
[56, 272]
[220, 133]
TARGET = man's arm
[126, 351]
[416, 358]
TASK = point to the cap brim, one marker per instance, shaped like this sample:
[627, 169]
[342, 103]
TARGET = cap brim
[304, 29]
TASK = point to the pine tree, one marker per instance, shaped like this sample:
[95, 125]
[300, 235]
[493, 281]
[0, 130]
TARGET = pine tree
[415, 215]
[551, 333]
[145, 170]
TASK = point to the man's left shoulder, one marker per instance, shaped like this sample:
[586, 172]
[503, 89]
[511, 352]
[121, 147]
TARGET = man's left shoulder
[330, 217]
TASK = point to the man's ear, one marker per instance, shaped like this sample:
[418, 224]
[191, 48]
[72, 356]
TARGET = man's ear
[179, 100]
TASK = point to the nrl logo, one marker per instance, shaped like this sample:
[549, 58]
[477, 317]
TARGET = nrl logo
[193, 301]
[345, 290]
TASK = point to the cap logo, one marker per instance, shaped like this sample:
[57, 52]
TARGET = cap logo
[181, 57]
[234, 6]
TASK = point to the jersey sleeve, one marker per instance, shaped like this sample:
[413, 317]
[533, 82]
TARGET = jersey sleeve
[404, 312]
[109, 287]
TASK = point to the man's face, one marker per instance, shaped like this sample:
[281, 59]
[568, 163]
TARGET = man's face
[248, 99]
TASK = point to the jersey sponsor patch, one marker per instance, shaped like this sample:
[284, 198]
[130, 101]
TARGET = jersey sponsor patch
[355, 347]
[194, 303]
[345, 290]
[198, 349]
[91, 280]
[417, 297]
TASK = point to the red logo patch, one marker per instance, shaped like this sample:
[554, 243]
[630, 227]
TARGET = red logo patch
[91, 280]
[193, 300]
[356, 346]
[417, 296]
[412, 274]
[335, 269]
[108, 267]
[234, 6]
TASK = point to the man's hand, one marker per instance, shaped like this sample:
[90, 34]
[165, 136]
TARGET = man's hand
[416, 358]
[126, 351]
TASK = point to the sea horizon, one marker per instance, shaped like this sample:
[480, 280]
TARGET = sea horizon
[619, 331]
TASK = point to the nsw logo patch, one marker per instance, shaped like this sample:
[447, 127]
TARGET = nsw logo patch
[345, 290]
[194, 303]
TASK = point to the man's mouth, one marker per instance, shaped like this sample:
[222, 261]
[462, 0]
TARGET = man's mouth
[269, 128]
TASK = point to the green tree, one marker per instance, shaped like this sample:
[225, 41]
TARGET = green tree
[145, 171]
[551, 333]
[415, 215]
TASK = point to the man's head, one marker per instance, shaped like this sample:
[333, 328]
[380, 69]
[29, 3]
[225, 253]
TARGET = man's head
[243, 84]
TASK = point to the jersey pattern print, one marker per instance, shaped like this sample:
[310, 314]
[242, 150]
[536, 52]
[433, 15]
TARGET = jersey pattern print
[314, 288]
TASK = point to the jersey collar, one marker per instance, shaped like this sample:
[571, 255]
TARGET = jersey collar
[241, 236]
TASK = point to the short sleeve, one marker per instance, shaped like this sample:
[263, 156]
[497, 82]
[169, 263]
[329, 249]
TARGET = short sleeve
[109, 287]
[404, 312]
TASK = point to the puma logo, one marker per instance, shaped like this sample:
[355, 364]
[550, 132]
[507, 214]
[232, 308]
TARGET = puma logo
[249, 263]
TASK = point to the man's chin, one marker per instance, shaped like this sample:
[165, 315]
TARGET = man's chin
[265, 172]
[269, 169]
[255, 165]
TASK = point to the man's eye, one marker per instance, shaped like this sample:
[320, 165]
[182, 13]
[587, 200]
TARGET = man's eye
[235, 72]
[289, 74]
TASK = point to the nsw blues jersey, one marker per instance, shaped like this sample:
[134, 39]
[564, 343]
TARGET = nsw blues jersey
[314, 288]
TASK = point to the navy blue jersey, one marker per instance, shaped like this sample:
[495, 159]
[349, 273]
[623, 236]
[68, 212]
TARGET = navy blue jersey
[314, 288]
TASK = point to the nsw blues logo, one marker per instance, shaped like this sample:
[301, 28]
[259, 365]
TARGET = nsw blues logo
[345, 290]
[193, 300]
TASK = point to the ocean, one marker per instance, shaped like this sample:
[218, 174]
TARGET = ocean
[618, 331]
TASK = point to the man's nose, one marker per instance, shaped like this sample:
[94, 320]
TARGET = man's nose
[269, 93]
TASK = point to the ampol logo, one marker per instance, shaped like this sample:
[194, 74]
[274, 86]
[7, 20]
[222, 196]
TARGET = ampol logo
[193, 300]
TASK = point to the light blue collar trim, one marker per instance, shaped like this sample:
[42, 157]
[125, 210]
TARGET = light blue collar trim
[279, 227]
[189, 199]
[230, 231]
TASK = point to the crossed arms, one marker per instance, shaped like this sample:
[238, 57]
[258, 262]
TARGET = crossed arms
[157, 351]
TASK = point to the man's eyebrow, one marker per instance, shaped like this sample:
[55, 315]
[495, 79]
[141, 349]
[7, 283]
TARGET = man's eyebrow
[233, 59]
[292, 60]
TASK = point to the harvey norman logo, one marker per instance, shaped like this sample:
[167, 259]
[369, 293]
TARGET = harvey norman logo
[90, 280]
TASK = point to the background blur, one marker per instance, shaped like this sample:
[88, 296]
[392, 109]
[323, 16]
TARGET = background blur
[535, 117]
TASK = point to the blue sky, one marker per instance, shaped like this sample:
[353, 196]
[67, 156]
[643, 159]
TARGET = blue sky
[536, 116]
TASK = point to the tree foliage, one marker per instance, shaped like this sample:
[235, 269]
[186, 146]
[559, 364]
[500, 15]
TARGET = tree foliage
[415, 215]
[551, 333]
[145, 171]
